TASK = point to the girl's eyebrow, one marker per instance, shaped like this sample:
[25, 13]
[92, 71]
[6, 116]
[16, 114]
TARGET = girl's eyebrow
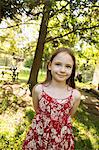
[58, 62]
[69, 64]
[61, 62]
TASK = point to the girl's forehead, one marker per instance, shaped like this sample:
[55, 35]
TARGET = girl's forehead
[63, 56]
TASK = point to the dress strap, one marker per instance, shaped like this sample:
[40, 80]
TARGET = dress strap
[71, 91]
[42, 92]
[42, 88]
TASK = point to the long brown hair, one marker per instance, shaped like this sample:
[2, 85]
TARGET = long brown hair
[70, 81]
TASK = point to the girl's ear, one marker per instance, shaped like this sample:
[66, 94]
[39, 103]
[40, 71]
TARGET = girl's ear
[49, 65]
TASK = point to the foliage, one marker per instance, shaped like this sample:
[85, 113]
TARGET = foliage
[29, 114]
[72, 21]
[15, 40]
[28, 62]
[69, 21]
[87, 58]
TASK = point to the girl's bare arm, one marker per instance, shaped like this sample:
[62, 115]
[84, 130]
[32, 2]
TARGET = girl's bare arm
[35, 96]
[77, 97]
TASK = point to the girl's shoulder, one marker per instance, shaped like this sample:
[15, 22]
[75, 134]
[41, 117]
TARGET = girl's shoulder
[76, 95]
[37, 89]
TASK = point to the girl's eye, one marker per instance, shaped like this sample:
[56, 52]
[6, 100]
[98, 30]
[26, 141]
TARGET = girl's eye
[58, 64]
[68, 66]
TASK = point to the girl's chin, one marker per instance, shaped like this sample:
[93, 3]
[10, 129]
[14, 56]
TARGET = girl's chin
[60, 80]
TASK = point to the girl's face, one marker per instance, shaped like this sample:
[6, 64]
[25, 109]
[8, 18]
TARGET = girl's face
[61, 67]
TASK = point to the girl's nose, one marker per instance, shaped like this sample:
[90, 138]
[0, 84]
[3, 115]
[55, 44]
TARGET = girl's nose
[63, 69]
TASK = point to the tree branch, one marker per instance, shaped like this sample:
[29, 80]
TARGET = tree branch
[17, 25]
[55, 13]
[58, 37]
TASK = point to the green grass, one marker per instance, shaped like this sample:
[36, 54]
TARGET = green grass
[24, 76]
[86, 130]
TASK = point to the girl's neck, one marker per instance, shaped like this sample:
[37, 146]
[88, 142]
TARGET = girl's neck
[57, 85]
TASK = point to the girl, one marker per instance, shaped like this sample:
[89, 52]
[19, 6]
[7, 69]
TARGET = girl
[55, 102]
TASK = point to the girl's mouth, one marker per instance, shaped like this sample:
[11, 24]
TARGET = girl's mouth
[61, 75]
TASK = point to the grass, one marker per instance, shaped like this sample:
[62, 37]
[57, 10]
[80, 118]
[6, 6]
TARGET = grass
[16, 115]
[86, 130]
[24, 76]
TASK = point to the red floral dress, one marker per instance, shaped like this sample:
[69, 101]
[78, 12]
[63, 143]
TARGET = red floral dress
[51, 128]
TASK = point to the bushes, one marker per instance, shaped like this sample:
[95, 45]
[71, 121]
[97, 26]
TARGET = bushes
[28, 62]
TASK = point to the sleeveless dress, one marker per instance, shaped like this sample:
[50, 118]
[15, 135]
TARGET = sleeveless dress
[51, 128]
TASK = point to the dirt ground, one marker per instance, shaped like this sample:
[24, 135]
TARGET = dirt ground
[91, 101]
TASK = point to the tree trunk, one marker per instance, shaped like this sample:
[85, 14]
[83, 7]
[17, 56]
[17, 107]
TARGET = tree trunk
[96, 77]
[1, 11]
[40, 47]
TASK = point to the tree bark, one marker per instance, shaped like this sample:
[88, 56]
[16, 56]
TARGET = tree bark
[1, 11]
[40, 47]
[96, 77]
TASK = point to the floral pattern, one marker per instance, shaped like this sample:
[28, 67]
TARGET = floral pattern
[51, 127]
